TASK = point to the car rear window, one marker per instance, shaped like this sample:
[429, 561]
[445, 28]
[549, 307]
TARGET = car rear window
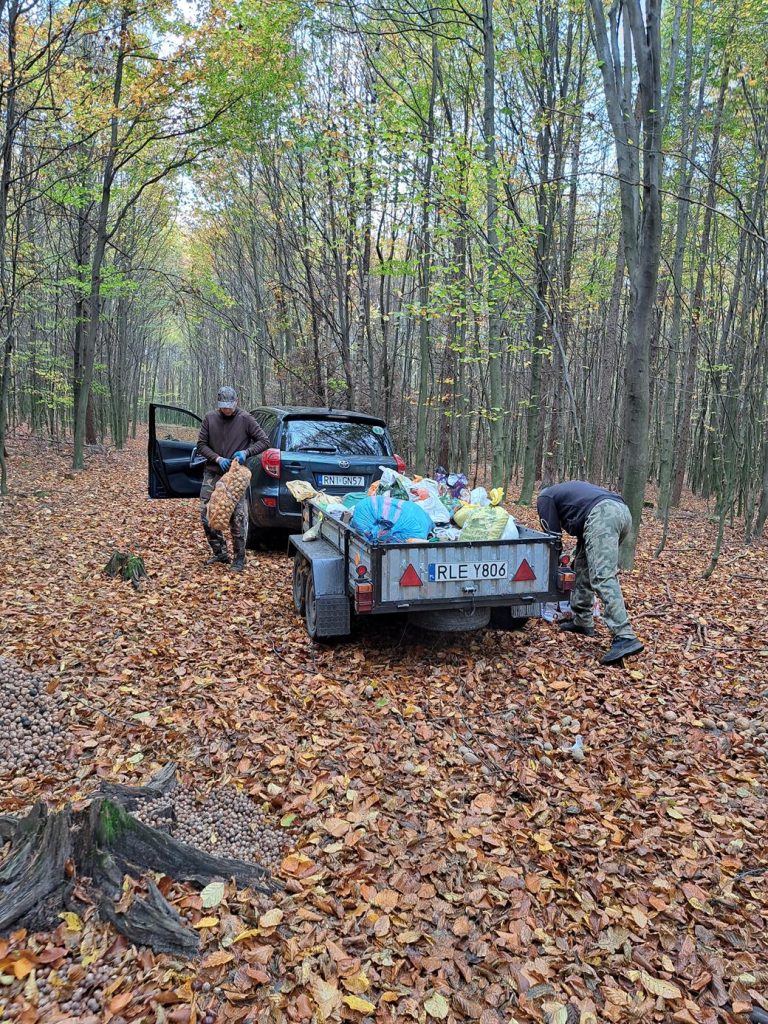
[342, 437]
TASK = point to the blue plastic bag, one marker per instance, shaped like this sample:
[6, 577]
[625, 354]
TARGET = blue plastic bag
[390, 521]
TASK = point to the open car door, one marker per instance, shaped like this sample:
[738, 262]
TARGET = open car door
[175, 470]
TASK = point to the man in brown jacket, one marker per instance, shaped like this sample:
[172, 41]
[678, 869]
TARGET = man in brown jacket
[227, 433]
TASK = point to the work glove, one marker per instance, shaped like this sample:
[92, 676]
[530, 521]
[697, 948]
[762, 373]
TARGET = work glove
[240, 457]
[224, 464]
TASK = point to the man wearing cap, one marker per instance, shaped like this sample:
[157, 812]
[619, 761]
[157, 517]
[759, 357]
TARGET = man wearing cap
[601, 522]
[227, 433]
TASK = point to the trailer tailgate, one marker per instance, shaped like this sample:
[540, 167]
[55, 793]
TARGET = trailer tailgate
[446, 571]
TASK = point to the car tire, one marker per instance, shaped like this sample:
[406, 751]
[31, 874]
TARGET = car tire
[310, 606]
[300, 573]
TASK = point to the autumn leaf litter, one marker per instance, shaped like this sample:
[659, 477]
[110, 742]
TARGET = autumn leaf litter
[447, 853]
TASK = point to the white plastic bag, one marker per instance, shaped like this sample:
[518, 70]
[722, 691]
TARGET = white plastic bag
[447, 533]
[435, 509]
[479, 496]
[511, 531]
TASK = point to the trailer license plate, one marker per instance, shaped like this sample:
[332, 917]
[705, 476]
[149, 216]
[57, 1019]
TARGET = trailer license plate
[448, 572]
[333, 480]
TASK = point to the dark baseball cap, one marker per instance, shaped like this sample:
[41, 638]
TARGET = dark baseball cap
[227, 398]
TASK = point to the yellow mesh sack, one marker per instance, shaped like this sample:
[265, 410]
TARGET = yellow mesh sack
[226, 494]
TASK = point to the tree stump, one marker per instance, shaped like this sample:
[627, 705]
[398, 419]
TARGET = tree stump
[50, 851]
[129, 567]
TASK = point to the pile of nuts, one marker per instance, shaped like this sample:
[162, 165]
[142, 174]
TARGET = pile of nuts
[225, 823]
[30, 721]
[75, 991]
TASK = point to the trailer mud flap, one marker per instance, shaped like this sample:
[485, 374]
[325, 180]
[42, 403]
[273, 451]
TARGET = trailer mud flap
[326, 593]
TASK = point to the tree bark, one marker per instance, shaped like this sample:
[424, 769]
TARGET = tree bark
[633, 118]
[496, 413]
[85, 380]
[697, 302]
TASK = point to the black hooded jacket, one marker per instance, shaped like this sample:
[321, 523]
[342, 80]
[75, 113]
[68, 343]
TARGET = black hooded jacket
[566, 506]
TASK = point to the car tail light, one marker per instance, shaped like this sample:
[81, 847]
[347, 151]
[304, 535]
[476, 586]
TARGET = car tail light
[565, 559]
[270, 462]
[269, 502]
[363, 597]
[399, 464]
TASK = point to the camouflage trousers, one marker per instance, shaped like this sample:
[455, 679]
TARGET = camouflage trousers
[596, 562]
[238, 524]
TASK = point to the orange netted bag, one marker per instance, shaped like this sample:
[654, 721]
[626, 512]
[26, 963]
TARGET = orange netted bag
[226, 494]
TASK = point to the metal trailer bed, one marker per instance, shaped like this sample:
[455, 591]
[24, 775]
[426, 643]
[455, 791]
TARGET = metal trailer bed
[448, 585]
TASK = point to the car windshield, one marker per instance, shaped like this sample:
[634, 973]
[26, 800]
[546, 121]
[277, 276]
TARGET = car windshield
[335, 437]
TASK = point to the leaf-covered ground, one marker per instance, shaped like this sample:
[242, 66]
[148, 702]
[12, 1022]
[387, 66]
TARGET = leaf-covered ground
[451, 861]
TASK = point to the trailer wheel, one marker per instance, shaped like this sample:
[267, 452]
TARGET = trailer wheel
[300, 572]
[310, 606]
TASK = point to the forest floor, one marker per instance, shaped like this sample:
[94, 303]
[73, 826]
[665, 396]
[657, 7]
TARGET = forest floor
[441, 862]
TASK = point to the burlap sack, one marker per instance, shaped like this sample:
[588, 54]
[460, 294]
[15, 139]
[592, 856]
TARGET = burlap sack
[226, 494]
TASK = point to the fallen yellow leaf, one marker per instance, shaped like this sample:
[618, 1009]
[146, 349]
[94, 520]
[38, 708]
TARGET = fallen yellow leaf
[356, 1003]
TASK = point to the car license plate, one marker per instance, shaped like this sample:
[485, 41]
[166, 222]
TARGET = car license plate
[334, 480]
[449, 572]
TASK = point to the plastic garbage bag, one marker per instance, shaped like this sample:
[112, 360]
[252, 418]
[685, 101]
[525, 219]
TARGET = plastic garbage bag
[462, 514]
[511, 531]
[353, 498]
[314, 531]
[435, 509]
[301, 490]
[560, 611]
[426, 494]
[444, 533]
[457, 483]
[496, 495]
[336, 510]
[479, 496]
[389, 520]
[487, 523]
[394, 483]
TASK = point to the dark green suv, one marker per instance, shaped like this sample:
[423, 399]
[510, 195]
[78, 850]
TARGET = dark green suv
[335, 450]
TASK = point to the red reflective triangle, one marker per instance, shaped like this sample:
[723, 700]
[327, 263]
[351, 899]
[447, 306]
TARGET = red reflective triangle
[524, 574]
[410, 578]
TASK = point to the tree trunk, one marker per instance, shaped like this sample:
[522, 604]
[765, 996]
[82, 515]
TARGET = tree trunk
[697, 302]
[633, 119]
[685, 174]
[607, 380]
[84, 423]
[7, 287]
[497, 414]
[425, 266]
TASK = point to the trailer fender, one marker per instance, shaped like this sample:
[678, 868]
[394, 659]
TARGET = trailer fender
[327, 564]
[326, 611]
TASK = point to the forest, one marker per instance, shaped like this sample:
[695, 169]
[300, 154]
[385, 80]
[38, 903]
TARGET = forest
[530, 236]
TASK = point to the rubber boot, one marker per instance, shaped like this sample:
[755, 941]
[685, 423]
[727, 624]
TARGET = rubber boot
[572, 627]
[220, 556]
[622, 647]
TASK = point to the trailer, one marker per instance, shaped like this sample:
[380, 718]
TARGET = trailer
[445, 586]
